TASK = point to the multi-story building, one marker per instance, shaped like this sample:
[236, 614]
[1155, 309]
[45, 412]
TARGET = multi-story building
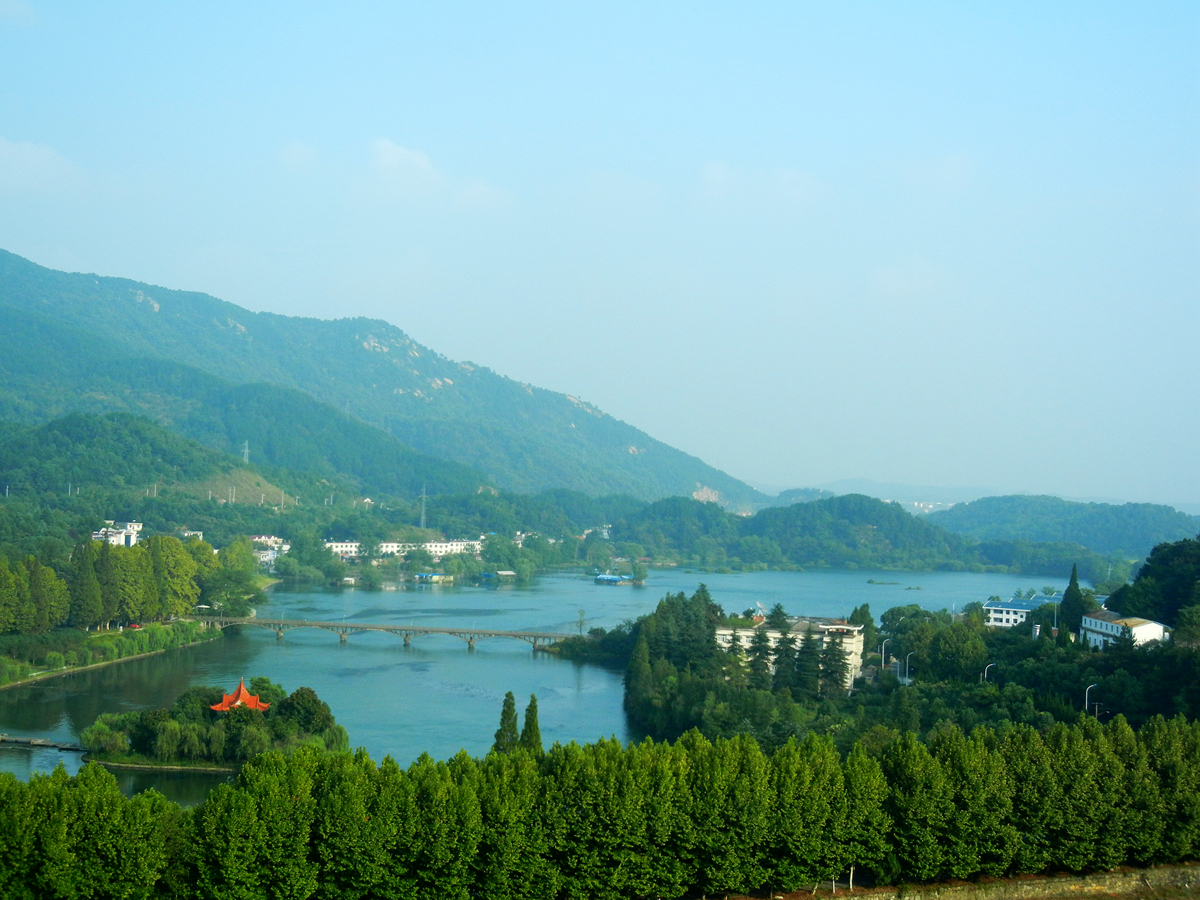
[824, 630]
[1007, 613]
[1104, 626]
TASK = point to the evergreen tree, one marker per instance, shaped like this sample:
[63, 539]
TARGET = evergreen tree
[87, 602]
[806, 683]
[834, 668]
[49, 600]
[777, 619]
[1072, 608]
[760, 660]
[531, 735]
[8, 598]
[785, 664]
[106, 576]
[861, 615]
[506, 734]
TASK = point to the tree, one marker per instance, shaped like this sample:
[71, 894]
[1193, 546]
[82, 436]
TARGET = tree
[777, 619]
[785, 664]
[174, 575]
[531, 735]
[87, 602]
[49, 601]
[806, 684]
[760, 660]
[1073, 606]
[506, 735]
[834, 667]
[861, 615]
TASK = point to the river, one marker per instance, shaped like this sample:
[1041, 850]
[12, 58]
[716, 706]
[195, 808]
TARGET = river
[437, 696]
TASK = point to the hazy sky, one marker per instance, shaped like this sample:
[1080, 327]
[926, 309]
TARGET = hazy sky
[945, 244]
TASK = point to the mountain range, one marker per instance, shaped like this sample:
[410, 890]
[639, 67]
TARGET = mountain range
[226, 376]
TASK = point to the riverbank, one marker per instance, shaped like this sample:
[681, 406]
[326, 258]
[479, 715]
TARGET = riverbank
[141, 764]
[1158, 882]
[201, 636]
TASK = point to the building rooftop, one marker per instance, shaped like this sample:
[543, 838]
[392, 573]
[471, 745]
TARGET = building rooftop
[1022, 605]
[1104, 615]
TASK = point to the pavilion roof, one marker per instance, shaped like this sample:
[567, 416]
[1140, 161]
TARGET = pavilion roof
[240, 697]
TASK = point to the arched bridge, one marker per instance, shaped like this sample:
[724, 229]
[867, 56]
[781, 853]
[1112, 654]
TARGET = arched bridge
[539, 639]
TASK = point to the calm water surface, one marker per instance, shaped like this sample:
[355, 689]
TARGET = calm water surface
[436, 696]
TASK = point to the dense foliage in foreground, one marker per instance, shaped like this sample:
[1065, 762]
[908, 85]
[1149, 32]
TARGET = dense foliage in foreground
[613, 821]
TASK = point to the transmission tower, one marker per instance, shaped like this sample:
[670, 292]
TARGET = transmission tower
[246, 452]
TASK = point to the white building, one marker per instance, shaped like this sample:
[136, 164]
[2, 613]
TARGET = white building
[824, 630]
[1104, 627]
[1007, 613]
[436, 549]
[119, 534]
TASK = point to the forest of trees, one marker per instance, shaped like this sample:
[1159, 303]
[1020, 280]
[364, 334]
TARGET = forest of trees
[611, 821]
[1129, 529]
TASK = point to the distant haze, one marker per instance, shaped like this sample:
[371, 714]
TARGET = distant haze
[918, 244]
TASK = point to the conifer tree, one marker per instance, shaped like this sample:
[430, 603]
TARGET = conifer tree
[777, 619]
[8, 597]
[506, 735]
[87, 603]
[834, 668]
[531, 735]
[760, 660]
[806, 684]
[1071, 610]
[106, 576]
[785, 664]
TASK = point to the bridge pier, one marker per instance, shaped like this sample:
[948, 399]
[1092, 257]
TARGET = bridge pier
[407, 639]
[342, 637]
[470, 643]
[279, 635]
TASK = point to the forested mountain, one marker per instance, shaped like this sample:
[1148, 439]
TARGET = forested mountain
[524, 438]
[1129, 530]
[111, 451]
[850, 531]
[48, 370]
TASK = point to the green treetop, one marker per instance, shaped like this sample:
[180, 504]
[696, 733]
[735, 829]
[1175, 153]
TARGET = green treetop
[506, 735]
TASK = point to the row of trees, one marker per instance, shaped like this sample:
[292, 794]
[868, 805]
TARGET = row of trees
[158, 578]
[612, 821]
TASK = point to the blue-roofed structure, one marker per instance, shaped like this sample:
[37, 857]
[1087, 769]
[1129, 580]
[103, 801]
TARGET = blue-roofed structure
[1007, 613]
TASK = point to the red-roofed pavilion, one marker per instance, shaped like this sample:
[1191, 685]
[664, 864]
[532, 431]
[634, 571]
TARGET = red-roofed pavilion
[240, 697]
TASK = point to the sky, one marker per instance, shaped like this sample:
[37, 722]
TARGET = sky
[926, 243]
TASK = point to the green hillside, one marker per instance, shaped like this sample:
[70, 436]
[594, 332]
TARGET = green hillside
[48, 370]
[524, 438]
[1131, 529]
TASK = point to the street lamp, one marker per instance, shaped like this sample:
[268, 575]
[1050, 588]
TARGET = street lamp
[906, 661]
[1085, 697]
[983, 677]
[883, 650]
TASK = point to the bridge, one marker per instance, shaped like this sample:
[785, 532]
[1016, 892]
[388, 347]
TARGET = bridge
[539, 639]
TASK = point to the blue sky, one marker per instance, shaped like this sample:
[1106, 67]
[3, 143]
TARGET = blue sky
[953, 244]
